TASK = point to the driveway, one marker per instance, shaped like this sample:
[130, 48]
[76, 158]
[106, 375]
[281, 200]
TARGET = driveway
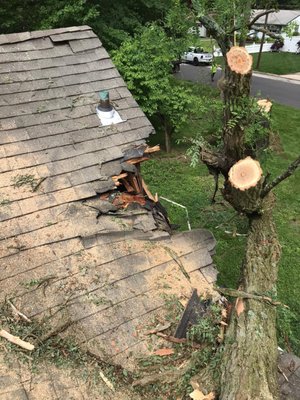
[282, 90]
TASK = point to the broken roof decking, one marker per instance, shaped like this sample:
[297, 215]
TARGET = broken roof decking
[101, 278]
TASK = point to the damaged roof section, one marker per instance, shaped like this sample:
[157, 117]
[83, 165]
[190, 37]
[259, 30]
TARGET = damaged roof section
[83, 242]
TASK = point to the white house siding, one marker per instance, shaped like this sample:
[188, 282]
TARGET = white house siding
[290, 45]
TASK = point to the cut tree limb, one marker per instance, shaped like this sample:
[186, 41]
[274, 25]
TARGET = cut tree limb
[239, 60]
[245, 174]
[16, 340]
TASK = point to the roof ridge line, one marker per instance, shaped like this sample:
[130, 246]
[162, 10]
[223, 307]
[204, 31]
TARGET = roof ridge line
[29, 35]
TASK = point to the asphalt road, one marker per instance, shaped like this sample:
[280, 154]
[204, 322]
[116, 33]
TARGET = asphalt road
[280, 90]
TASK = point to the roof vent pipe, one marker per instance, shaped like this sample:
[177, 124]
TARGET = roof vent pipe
[104, 109]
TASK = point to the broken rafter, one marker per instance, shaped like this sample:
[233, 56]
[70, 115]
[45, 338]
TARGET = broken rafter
[147, 191]
[137, 160]
[152, 149]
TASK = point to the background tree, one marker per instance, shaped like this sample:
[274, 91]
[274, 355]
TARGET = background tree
[112, 23]
[145, 62]
[249, 363]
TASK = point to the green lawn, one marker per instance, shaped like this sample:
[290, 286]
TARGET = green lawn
[274, 63]
[278, 63]
[172, 177]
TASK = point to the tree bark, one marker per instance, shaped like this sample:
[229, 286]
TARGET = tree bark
[236, 90]
[250, 353]
[167, 138]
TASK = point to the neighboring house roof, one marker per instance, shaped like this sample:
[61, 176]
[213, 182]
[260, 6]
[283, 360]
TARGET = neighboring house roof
[100, 276]
[281, 17]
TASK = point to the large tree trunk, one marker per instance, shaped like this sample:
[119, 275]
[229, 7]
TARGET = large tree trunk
[249, 365]
[250, 354]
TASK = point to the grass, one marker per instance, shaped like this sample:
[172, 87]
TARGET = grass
[171, 176]
[274, 63]
[278, 63]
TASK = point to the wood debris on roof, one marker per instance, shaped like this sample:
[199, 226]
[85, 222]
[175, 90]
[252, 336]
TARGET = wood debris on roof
[82, 238]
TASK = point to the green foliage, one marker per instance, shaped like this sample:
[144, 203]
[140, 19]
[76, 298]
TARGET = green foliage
[163, 174]
[247, 115]
[66, 13]
[113, 23]
[145, 63]
[291, 28]
[226, 14]
[286, 336]
[17, 15]
[207, 328]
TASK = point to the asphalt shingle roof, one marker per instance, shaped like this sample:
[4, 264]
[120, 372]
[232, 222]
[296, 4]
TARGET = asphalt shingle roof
[54, 158]
[280, 17]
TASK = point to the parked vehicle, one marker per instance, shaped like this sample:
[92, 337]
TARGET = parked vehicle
[197, 56]
[277, 45]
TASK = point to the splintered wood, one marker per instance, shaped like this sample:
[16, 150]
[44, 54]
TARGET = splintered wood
[265, 105]
[245, 174]
[239, 60]
[134, 184]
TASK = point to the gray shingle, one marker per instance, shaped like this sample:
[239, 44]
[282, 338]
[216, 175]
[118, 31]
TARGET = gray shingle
[60, 37]
[84, 45]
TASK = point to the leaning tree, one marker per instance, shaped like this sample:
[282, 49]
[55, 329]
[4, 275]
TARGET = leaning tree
[249, 363]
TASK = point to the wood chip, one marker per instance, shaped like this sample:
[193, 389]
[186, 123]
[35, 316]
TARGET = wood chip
[265, 105]
[198, 395]
[239, 306]
[163, 352]
[18, 313]
[16, 340]
[107, 381]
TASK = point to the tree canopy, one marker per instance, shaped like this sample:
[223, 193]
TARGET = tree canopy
[113, 23]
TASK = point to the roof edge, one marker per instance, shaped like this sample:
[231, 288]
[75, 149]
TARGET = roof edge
[24, 36]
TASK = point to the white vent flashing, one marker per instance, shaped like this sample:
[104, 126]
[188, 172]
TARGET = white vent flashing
[106, 113]
[109, 117]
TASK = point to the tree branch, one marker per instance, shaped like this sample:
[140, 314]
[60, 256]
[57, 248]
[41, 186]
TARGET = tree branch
[290, 170]
[246, 295]
[217, 32]
[267, 32]
[261, 14]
